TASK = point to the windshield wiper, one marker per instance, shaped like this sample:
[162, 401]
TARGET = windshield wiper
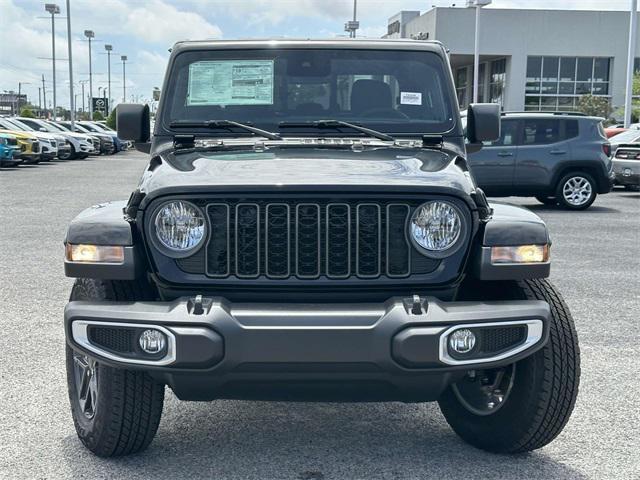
[337, 124]
[224, 124]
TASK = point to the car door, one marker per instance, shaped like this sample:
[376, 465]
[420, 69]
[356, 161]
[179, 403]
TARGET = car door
[543, 145]
[493, 166]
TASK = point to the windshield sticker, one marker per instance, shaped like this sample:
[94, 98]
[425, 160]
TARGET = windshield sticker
[231, 82]
[411, 98]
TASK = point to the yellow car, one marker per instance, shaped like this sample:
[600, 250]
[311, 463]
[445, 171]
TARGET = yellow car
[29, 146]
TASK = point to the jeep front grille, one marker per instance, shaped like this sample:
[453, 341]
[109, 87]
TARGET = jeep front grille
[308, 240]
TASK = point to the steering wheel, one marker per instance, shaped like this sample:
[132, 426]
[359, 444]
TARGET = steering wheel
[391, 112]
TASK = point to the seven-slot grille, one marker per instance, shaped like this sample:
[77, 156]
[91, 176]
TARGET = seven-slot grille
[307, 240]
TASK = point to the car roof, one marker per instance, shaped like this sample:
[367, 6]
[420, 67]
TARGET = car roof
[533, 114]
[336, 43]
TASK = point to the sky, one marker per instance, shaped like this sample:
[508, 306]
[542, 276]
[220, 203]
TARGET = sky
[144, 30]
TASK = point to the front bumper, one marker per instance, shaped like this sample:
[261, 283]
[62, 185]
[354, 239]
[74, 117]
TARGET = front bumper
[391, 351]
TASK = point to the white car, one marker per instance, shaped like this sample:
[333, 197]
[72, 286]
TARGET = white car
[48, 142]
[81, 145]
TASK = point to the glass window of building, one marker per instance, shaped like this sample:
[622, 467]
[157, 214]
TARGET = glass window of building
[497, 81]
[462, 83]
[556, 83]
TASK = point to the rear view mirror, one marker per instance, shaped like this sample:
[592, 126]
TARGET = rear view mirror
[483, 122]
[133, 123]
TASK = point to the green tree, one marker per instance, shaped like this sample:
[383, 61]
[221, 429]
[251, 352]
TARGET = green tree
[594, 106]
[97, 116]
[27, 112]
[111, 119]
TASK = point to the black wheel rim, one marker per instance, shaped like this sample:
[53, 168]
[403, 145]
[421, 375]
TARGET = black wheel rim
[484, 392]
[86, 381]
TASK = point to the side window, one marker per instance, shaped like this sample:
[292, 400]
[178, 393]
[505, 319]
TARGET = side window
[541, 131]
[571, 129]
[508, 135]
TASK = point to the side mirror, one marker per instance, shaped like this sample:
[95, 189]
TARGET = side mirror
[483, 122]
[42, 129]
[133, 123]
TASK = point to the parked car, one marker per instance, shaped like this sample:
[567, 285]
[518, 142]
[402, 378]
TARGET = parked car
[63, 147]
[105, 142]
[613, 131]
[559, 158]
[82, 145]
[9, 150]
[269, 253]
[48, 143]
[626, 166]
[29, 144]
[94, 127]
[625, 138]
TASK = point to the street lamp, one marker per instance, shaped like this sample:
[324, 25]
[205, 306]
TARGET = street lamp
[108, 48]
[124, 79]
[89, 34]
[53, 9]
[478, 4]
[82, 83]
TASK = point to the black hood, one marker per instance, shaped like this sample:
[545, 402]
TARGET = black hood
[307, 169]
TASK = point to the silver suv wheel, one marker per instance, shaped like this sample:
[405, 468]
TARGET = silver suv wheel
[577, 191]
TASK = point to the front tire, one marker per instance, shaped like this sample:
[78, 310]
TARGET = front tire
[115, 411]
[536, 395]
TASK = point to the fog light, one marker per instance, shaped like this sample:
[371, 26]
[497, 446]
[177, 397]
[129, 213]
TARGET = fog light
[520, 254]
[94, 253]
[462, 341]
[152, 341]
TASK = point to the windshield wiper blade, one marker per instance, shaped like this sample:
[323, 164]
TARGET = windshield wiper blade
[338, 124]
[224, 124]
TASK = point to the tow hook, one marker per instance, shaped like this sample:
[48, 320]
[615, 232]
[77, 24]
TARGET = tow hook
[415, 305]
[198, 305]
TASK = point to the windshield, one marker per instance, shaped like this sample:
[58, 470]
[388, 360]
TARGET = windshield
[79, 128]
[56, 128]
[629, 136]
[6, 124]
[92, 128]
[387, 90]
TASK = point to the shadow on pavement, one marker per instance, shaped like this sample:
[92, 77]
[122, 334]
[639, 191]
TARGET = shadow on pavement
[313, 441]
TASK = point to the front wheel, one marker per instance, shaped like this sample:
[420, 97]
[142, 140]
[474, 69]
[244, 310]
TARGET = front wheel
[115, 411]
[523, 406]
[576, 191]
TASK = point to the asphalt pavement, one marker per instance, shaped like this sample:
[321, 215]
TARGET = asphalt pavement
[596, 265]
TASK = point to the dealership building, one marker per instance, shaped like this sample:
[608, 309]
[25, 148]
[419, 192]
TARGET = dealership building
[529, 59]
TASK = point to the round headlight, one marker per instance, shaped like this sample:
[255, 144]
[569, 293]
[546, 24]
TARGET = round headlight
[436, 226]
[180, 226]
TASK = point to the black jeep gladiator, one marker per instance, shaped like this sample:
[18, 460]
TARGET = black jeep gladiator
[307, 228]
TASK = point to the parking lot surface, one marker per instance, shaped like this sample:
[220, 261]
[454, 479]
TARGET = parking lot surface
[596, 264]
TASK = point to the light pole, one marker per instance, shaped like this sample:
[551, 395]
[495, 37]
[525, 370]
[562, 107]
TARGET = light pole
[89, 34]
[124, 79]
[108, 48]
[72, 98]
[53, 9]
[19, 93]
[352, 25]
[633, 31]
[82, 82]
[478, 4]
[44, 96]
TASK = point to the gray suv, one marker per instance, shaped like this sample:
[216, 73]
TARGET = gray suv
[557, 157]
